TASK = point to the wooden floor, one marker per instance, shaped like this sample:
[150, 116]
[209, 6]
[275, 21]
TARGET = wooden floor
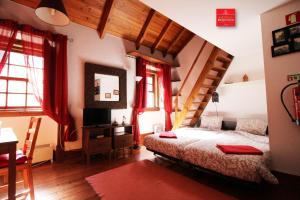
[66, 181]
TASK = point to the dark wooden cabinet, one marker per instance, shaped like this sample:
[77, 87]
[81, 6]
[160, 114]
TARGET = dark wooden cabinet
[105, 139]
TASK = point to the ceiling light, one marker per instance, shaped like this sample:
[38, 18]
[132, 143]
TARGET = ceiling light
[52, 12]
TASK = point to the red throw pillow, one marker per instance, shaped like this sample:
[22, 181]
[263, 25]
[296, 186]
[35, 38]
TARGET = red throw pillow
[239, 149]
[167, 134]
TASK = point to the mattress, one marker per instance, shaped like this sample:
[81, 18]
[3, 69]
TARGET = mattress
[198, 147]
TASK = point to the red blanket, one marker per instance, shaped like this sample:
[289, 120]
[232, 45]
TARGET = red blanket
[167, 134]
[239, 149]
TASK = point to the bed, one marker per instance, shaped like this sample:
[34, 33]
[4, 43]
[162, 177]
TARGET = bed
[197, 146]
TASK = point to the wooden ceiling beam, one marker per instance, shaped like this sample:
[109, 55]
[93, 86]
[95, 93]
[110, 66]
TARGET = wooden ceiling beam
[161, 35]
[141, 36]
[180, 34]
[186, 42]
[106, 13]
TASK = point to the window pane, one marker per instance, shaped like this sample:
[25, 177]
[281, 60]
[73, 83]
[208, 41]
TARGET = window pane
[2, 85]
[2, 99]
[29, 89]
[4, 70]
[150, 80]
[32, 102]
[16, 100]
[17, 86]
[150, 100]
[1, 54]
[150, 88]
[36, 62]
[17, 72]
[16, 58]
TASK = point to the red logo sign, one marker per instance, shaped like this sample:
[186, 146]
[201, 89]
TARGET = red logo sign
[292, 18]
[225, 17]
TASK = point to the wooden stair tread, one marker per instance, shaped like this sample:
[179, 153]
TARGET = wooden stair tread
[218, 62]
[200, 102]
[213, 77]
[190, 117]
[208, 86]
[200, 94]
[218, 68]
[173, 110]
[223, 58]
[194, 110]
[185, 125]
[174, 95]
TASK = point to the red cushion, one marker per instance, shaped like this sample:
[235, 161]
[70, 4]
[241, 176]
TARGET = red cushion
[239, 149]
[20, 159]
[167, 134]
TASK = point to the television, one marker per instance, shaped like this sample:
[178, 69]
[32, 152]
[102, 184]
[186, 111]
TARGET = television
[96, 116]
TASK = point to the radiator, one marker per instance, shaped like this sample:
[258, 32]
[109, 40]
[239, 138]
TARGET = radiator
[42, 152]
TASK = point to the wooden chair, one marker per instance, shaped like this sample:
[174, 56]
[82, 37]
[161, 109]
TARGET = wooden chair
[24, 158]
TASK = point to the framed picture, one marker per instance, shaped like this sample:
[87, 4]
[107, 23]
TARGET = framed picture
[296, 43]
[280, 49]
[294, 30]
[107, 95]
[280, 36]
[116, 92]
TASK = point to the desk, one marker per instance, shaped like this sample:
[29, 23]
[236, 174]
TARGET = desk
[8, 144]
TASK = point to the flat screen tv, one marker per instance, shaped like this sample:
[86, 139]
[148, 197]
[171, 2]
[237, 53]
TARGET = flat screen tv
[96, 116]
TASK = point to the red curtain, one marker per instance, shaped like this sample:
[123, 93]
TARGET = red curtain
[167, 95]
[33, 41]
[8, 33]
[165, 75]
[140, 98]
[55, 102]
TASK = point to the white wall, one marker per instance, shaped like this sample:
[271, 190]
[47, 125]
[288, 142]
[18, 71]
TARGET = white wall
[240, 100]
[86, 47]
[284, 135]
[186, 58]
[47, 133]
[243, 42]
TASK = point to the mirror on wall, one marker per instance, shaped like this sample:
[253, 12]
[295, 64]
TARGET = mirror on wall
[105, 87]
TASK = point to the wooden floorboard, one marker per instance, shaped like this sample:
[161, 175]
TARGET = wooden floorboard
[66, 181]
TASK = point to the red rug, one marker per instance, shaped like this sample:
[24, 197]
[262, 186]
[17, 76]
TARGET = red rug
[145, 180]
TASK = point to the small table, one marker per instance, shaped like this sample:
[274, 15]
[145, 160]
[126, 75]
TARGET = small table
[8, 144]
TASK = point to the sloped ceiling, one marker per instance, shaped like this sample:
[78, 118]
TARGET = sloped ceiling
[243, 41]
[199, 16]
[128, 19]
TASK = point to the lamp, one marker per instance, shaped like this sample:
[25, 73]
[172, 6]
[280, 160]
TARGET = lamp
[215, 97]
[52, 12]
[138, 78]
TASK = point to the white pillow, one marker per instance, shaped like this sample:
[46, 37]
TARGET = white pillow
[254, 126]
[211, 122]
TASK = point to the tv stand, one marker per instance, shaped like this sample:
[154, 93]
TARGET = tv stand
[105, 139]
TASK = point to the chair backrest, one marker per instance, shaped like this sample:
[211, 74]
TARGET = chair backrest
[31, 136]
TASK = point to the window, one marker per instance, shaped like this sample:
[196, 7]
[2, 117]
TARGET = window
[152, 89]
[16, 92]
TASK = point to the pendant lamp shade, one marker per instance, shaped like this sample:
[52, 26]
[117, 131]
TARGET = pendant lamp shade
[52, 12]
